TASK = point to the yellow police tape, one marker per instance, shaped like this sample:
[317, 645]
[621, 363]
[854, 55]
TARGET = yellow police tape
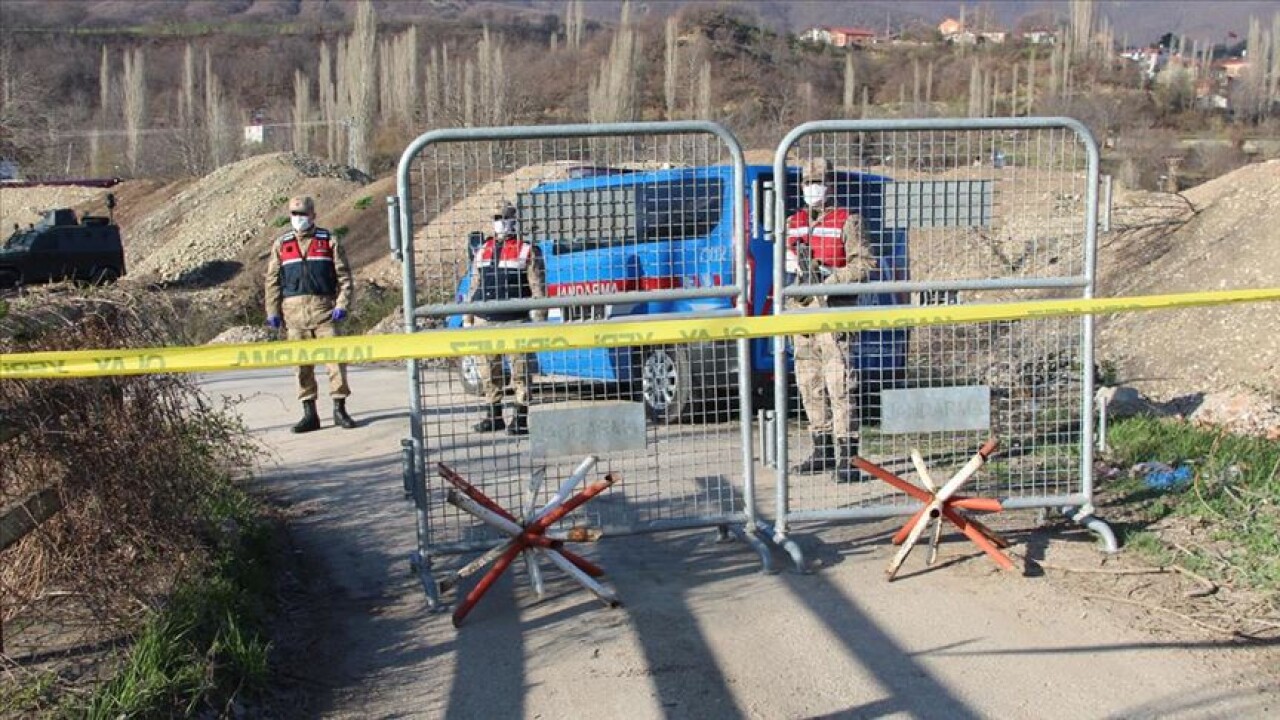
[535, 338]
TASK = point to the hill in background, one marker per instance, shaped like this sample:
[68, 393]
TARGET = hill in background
[1142, 21]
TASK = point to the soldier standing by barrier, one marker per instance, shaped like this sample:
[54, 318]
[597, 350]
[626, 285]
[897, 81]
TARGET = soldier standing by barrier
[506, 267]
[309, 287]
[826, 244]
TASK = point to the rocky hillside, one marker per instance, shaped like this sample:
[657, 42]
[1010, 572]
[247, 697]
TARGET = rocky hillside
[1220, 235]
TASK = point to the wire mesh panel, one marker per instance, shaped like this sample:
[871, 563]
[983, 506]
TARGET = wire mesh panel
[950, 212]
[579, 224]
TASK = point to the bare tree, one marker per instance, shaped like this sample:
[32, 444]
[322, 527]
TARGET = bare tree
[362, 85]
[915, 86]
[1013, 93]
[850, 84]
[105, 88]
[704, 91]
[215, 111]
[975, 89]
[574, 21]
[135, 104]
[611, 96]
[431, 87]
[26, 126]
[105, 95]
[1274, 91]
[490, 96]
[1082, 24]
[468, 94]
[328, 98]
[928, 88]
[301, 112]
[671, 61]
[191, 139]
[1031, 83]
[1054, 61]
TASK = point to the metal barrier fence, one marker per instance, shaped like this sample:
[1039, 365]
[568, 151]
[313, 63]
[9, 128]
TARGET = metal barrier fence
[612, 222]
[954, 211]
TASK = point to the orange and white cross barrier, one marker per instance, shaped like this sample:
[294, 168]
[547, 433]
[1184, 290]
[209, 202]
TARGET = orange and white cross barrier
[531, 536]
[943, 503]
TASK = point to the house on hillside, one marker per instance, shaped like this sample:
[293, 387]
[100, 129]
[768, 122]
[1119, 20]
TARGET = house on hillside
[840, 36]
[1040, 36]
[950, 27]
[846, 36]
[1233, 68]
[817, 35]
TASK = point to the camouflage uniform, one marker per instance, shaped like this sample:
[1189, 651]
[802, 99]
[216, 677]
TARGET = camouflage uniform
[823, 375]
[530, 284]
[311, 316]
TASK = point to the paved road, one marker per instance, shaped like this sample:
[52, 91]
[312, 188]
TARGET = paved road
[703, 633]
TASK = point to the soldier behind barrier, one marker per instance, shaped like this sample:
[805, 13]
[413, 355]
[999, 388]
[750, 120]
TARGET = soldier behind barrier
[826, 244]
[309, 287]
[506, 267]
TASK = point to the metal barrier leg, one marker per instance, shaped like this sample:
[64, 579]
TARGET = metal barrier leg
[1084, 516]
[762, 549]
[420, 558]
[421, 564]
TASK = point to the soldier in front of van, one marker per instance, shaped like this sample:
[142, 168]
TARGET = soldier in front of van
[827, 244]
[506, 267]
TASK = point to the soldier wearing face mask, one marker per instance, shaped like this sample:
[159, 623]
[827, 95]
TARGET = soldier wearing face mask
[309, 289]
[826, 244]
[506, 267]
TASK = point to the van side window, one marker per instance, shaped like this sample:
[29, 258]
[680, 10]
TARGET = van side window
[588, 219]
[678, 211]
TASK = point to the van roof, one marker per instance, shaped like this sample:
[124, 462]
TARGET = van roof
[704, 172]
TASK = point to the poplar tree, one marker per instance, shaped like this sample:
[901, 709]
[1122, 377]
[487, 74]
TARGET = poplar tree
[135, 105]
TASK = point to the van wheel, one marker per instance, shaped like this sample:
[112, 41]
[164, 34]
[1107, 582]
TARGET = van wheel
[667, 385]
[9, 279]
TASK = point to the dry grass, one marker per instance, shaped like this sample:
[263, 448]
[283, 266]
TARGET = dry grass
[134, 459]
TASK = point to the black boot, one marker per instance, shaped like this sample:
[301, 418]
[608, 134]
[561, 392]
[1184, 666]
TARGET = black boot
[520, 423]
[822, 459]
[492, 423]
[310, 420]
[340, 416]
[847, 472]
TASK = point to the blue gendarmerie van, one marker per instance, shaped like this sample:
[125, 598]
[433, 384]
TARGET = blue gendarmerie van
[610, 231]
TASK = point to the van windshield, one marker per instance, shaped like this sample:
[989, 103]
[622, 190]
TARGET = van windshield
[587, 219]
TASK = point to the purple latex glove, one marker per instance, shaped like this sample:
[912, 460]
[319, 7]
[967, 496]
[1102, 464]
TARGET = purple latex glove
[339, 315]
[275, 322]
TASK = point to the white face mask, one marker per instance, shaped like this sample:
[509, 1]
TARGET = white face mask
[814, 194]
[504, 227]
[300, 222]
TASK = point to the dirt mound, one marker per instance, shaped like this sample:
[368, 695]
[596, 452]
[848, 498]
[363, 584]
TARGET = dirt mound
[440, 246]
[1216, 236]
[205, 228]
